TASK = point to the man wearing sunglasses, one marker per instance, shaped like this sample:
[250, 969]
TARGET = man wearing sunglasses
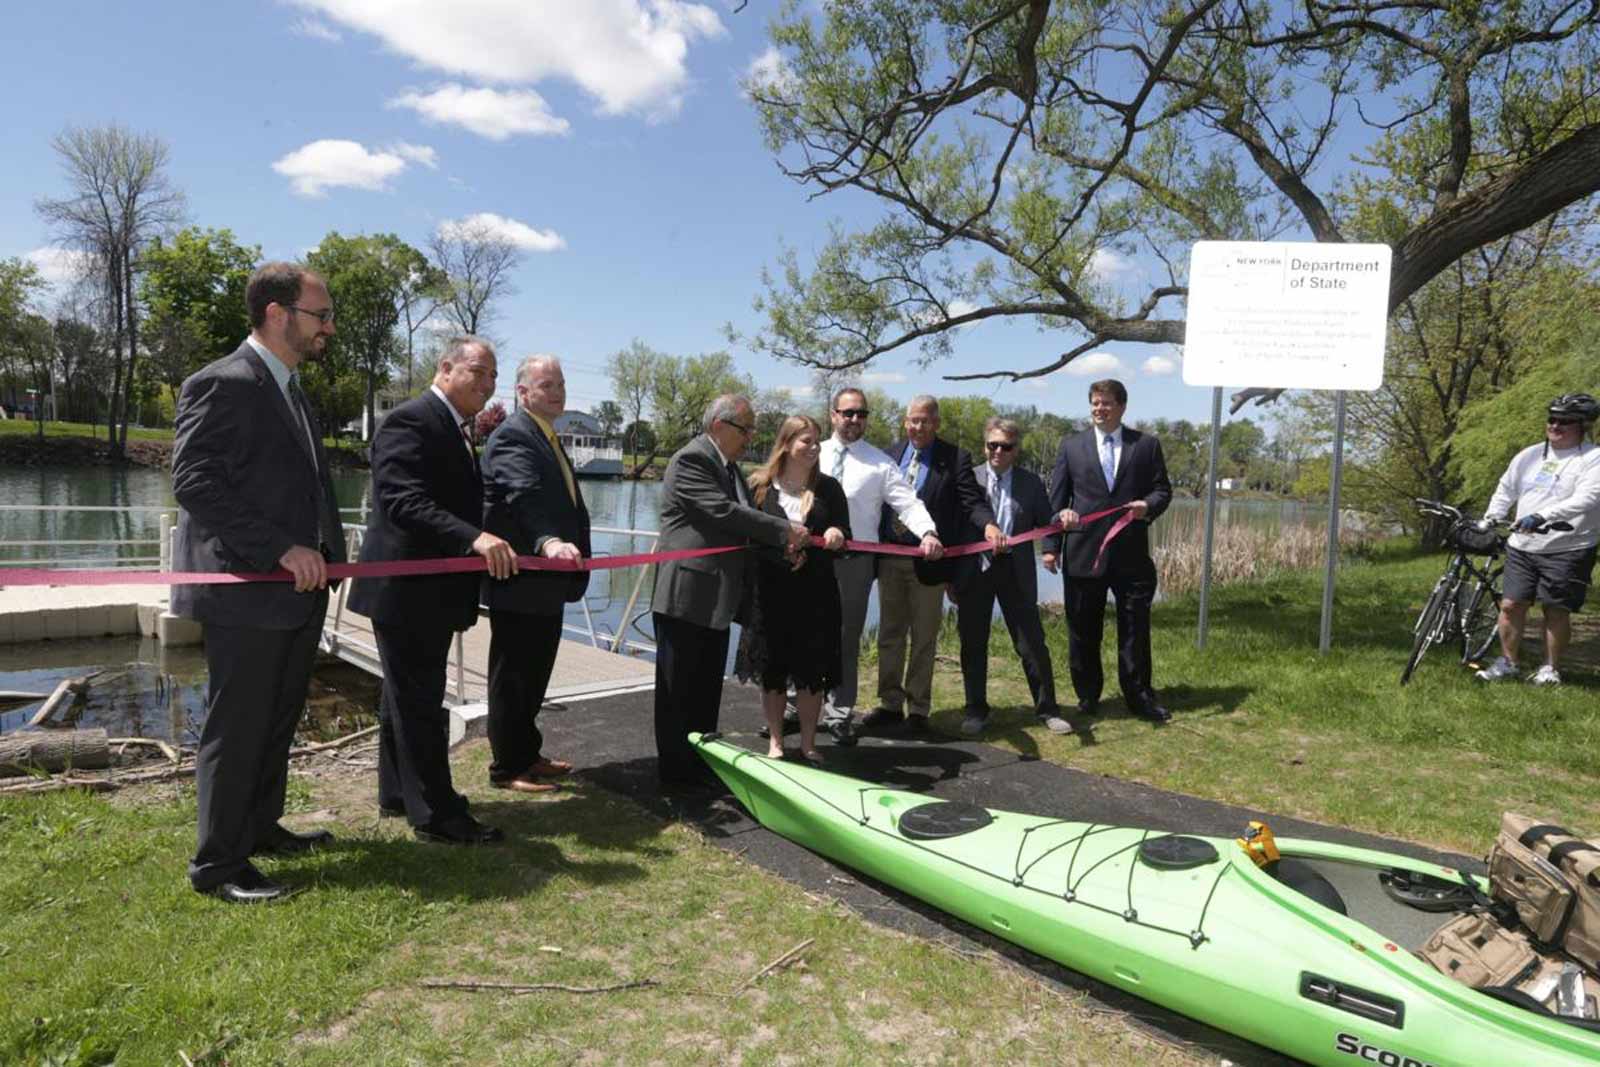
[1557, 480]
[1019, 502]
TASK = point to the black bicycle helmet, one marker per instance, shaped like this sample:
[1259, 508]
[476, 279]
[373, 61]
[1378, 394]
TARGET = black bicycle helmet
[1575, 406]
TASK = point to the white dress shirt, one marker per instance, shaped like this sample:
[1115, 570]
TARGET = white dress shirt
[461, 423]
[281, 374]
[871, 479]
[1116, 449]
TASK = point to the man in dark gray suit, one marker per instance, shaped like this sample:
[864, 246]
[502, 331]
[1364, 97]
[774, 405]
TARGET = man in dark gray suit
[252, 484]
[532, 499]
[1019, 502]
[705, 504]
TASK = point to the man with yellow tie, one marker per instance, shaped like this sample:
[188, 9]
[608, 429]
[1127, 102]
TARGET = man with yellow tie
[532, 500]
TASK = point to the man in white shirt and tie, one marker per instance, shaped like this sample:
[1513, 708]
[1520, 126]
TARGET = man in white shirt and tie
[871, 480]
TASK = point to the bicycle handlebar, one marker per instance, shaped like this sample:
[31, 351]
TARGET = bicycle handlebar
[1448, 511]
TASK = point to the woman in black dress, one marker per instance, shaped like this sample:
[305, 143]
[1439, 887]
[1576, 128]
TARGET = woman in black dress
[793, 633]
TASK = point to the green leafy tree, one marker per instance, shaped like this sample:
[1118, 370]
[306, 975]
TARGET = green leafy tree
[369, 277]
[961, 420]
[20, 286]
[608, 413]
[1018, 148]
[1239, 446]
[632, 371]
[193, 292]
[682, 389]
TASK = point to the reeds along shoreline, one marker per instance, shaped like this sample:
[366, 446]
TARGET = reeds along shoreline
[1244, 552]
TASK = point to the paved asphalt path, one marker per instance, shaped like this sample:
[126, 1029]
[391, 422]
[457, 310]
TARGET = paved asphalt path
[612, 742]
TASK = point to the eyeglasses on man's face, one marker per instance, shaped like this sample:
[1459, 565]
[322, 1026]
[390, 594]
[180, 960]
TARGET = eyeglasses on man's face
[322, 315]
[999, 446]
[746, 430]
[852, 413]
[1557, 420]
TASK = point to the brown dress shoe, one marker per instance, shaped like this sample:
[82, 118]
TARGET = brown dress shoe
[548, 768]
[524, 784]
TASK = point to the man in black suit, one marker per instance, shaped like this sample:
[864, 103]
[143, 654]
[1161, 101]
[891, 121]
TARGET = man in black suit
[1103, 467]
[911, 591]
[532, 500]
[1019, 502]
[427, 503]
[252, 485]
[704, 504]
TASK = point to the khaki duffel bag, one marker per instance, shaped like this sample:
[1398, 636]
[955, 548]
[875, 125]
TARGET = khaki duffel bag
[1552, 878]
[1475, 949]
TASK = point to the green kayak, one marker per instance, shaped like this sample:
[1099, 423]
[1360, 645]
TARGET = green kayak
[1309, 955]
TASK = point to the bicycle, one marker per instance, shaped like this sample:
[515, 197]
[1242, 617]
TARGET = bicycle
[1464, 606]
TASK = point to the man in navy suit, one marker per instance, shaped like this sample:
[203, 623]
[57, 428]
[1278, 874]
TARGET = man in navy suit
[252, 485]
[911, 592]
[427, 504]
[1103, 467]
[1019, 502]
[532, 499]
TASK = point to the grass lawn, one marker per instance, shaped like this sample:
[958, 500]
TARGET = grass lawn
[1263, 721]
[106, 952]
[19, 428]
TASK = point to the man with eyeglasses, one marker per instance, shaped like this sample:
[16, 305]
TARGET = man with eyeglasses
[872, 482]
[254, 494]
[705, 504]
[1557, 480]
[1019, 502]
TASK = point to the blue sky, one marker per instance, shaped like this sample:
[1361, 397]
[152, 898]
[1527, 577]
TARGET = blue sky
[609, 136]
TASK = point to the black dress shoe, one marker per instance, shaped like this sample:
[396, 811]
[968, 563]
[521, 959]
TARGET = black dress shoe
[460, 830]
[391, 811]
[282, 841]
[1154, 713]
[878, 718]
[248, 886]
[1089, 707]
[842, 732]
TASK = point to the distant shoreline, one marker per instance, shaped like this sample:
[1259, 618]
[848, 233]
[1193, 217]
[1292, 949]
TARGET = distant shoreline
[19, 450]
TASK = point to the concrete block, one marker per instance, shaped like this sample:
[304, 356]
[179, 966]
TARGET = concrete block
[122, 619]
[177, 630]
[468, 722]
[60, 624]
[27, 626]
[6, 628]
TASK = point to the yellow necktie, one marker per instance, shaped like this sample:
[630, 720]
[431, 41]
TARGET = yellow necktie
[561, 457]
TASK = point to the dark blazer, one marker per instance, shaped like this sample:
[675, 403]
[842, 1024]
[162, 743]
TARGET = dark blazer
[829, 508]
[1079, 483]
[249, 487]
[427, 501]
[1030, 509]
[955, 502]
[699, 510]
[525, 501]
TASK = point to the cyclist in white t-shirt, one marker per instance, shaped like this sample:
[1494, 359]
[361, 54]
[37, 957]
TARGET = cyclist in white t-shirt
[1557, 481]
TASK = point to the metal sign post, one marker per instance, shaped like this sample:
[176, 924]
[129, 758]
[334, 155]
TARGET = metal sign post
[1211, 516]
[1325, 641]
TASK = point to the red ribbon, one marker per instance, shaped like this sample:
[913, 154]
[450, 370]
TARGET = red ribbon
[403, 568]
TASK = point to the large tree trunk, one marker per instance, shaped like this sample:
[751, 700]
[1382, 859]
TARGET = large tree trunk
[121, 447]
[29, 751]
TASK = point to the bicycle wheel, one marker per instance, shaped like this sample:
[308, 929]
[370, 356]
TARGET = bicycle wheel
[1428, 623]
[1478, 608]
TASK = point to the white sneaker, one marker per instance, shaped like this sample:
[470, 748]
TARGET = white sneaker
[1498, 671]
[1546, 675]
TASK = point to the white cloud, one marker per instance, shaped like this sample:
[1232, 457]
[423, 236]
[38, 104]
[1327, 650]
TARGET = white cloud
[490, 113]
[315, 168]
[59, 266]
[517, 233]
[884, 377]
[629, 55]
[315, 29]
[797, 392]
[416, 153]
[1094, 363]
[959, 307]
[1038, 385]
[769, 73]
[1157, 366]
[1107, 263]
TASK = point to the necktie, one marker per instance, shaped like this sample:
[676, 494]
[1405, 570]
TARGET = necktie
[466, 435]
[1001, 519]
[914, 468]
[838, 465]
[561, 459]
[734, 479]
[1108, 462]
[297, 402]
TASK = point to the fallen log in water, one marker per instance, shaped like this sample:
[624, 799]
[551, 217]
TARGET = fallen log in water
[68, 687]
[30, 751]
[13, 698]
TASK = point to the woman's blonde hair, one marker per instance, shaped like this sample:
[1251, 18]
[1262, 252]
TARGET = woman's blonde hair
[765, 475]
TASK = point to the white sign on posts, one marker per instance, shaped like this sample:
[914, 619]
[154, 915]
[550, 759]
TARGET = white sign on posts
[1285, 315]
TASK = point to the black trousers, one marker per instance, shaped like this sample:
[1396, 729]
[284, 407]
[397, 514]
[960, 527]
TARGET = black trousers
[256, 692]
[690, 660]
[413, 725]
[974, 617]
[1086, 615]
[522, 653]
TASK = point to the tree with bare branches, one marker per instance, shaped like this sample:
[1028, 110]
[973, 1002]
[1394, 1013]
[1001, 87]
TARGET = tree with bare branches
[479, 262]
[1019, 147]
[119, 198]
